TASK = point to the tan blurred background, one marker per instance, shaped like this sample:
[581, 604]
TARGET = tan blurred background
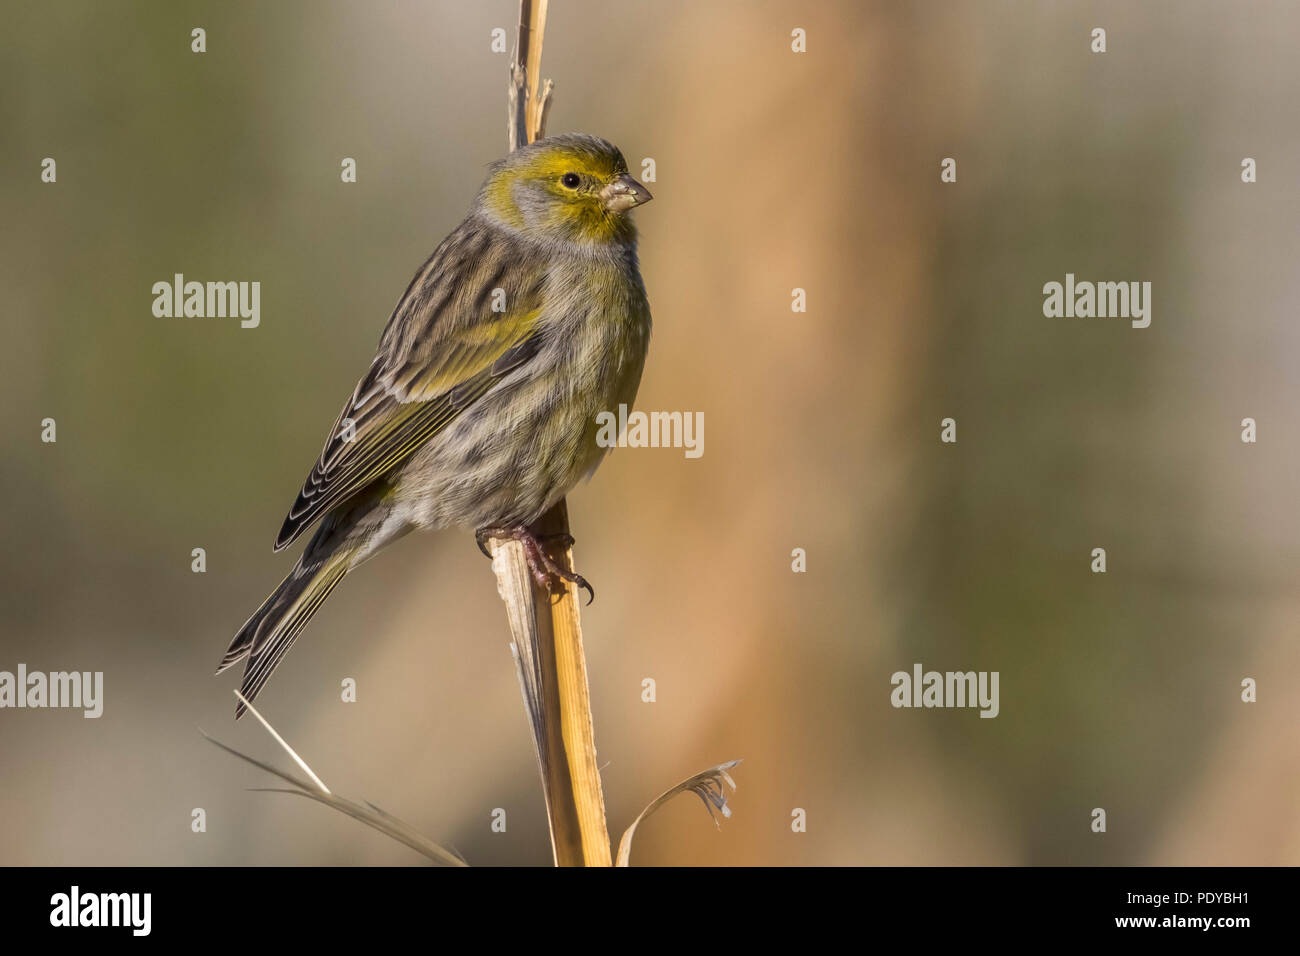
[775, 170]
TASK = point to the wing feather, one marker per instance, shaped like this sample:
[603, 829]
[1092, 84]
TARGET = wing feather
[468, 319]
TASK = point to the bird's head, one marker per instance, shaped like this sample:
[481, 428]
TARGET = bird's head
[565, 188]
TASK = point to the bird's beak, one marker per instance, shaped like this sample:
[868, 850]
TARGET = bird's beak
[624, 193]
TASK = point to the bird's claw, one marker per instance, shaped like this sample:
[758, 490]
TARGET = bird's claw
[546, 571]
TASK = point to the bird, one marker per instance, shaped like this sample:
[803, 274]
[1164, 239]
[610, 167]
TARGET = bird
[479, 409]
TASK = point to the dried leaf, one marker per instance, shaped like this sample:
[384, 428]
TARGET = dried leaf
[708, 786]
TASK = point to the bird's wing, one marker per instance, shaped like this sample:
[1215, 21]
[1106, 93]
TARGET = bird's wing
[468, 319]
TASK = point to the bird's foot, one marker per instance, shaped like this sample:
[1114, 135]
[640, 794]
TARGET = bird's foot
[546, 571]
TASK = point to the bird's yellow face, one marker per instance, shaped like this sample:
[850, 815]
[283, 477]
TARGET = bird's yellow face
[566, 188]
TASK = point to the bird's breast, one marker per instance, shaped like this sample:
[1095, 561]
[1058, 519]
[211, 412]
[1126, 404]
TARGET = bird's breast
[525, 444]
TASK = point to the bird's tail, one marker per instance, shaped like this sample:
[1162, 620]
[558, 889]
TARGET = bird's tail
[267, 636]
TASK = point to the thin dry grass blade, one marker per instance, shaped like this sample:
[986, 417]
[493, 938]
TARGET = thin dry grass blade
[381, 821]
[256, 763]
[320, 784]
[708, 786]
[368, 814]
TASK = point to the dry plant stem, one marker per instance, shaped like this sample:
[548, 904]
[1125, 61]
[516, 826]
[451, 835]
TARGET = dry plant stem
[553, 677]
[546, 628]
[528, 96]
[569, 660]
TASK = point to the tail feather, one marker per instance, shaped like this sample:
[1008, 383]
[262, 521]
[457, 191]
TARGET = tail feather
[267, 636]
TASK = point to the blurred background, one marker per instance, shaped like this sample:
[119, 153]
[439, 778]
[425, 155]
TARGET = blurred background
[775, 170]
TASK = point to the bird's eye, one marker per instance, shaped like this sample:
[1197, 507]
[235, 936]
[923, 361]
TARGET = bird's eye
[570, 180]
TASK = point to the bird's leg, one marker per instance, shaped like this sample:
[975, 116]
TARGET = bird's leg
[544, 569]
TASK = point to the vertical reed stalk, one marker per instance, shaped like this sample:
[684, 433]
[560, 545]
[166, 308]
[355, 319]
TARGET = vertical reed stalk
[546, 628]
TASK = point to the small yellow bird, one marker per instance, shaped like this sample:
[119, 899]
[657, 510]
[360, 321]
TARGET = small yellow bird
[479, 409]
